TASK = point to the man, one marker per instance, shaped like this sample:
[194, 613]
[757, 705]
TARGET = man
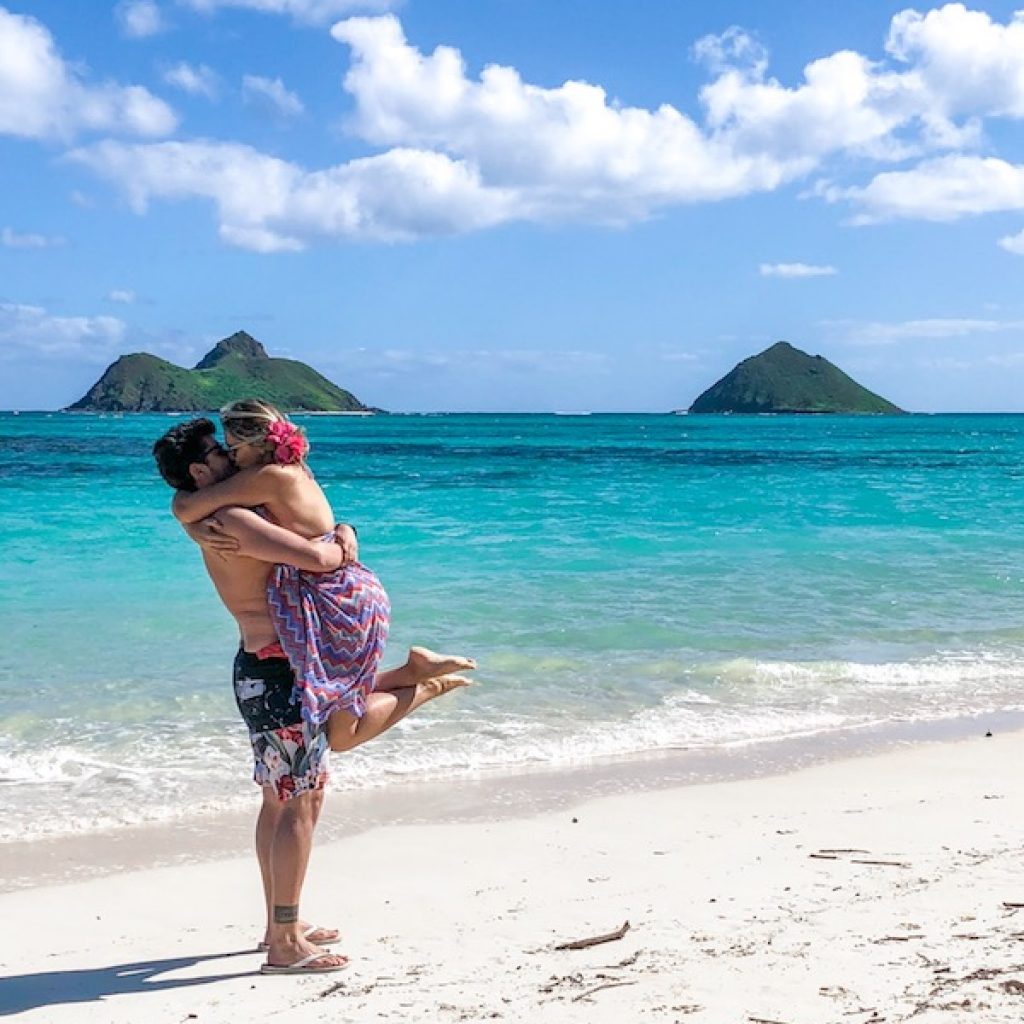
[291, 755]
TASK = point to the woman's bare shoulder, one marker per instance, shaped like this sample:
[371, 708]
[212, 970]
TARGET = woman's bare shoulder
[297, 474]
[278, 474]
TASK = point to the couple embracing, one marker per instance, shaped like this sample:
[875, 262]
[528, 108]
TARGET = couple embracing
[313, 622]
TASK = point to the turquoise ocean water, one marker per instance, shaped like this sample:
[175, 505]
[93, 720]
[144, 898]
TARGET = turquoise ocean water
[628, 584]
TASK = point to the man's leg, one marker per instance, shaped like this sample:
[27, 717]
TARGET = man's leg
[266, 826]
[289, 851]
[385, 709]
[291, 767]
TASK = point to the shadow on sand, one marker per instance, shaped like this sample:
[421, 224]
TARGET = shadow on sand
[55, 988]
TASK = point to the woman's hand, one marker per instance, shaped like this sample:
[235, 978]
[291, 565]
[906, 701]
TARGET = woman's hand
[345, 537]
[209, 534]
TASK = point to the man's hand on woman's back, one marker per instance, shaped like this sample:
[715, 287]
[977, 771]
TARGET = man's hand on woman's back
[210, 535]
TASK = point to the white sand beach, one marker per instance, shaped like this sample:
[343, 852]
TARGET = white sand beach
[881, 888]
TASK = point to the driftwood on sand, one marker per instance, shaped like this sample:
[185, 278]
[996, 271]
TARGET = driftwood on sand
[596, 940]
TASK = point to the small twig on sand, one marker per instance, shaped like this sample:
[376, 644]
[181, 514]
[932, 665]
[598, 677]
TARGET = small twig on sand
[765, 1020]
[572, 979]
[820, 856]
[596, 940]
[336, 987]
[883, 863]
[597, 988]
[1013, 906]
[844, 851]
[628, 962]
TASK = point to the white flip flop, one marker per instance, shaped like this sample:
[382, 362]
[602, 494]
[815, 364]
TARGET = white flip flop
[307, 965]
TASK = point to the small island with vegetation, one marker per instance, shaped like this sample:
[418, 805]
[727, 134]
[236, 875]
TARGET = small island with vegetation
[782, 379]
[236, 367]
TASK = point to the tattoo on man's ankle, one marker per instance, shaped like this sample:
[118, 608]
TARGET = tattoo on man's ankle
[286, 915]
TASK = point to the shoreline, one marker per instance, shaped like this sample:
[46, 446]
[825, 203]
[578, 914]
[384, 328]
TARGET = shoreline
[878, 888]
[496, 795]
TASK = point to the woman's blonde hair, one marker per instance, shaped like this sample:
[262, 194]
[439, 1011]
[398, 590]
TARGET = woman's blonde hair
[249, 419]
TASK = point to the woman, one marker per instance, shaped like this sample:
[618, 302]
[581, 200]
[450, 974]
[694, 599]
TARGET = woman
[332, 626]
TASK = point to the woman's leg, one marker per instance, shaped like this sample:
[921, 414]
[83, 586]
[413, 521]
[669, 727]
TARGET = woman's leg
[384, 709]
[421, 665]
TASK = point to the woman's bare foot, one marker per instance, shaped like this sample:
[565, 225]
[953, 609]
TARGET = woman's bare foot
[442, 684]
[424, 664]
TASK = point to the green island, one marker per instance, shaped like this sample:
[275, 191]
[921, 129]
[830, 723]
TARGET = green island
[236, 367]
[782, 379]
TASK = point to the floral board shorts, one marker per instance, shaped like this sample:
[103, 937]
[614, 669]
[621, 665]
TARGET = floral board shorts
[290, 755]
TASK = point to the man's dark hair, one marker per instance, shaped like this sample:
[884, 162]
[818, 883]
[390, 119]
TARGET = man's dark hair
[179, 448]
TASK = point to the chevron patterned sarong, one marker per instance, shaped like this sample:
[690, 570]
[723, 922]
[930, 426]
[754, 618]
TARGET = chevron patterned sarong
[332, 627]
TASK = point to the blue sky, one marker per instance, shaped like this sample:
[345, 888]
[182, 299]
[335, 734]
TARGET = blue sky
[514, 204]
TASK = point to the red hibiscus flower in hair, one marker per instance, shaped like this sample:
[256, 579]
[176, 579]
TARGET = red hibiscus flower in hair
[290, 445]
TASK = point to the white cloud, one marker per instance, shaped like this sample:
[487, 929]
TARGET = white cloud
[396, 362]
[270, 95]
[270, 205]
[966, 62]
[962, 64]
[572, 151]
[197, 80]
[11, 239]
[42, 97]
[1005, 360]
[795, 270]
[932, 329]
[310, 12]
[139, 19]
[123, 295]
[1013, 243]
[943, 189]
[733, 47]
[845, 103]
[957, 364]
[567, 152]
[471, 153]
[34, 332]
[463, 152]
